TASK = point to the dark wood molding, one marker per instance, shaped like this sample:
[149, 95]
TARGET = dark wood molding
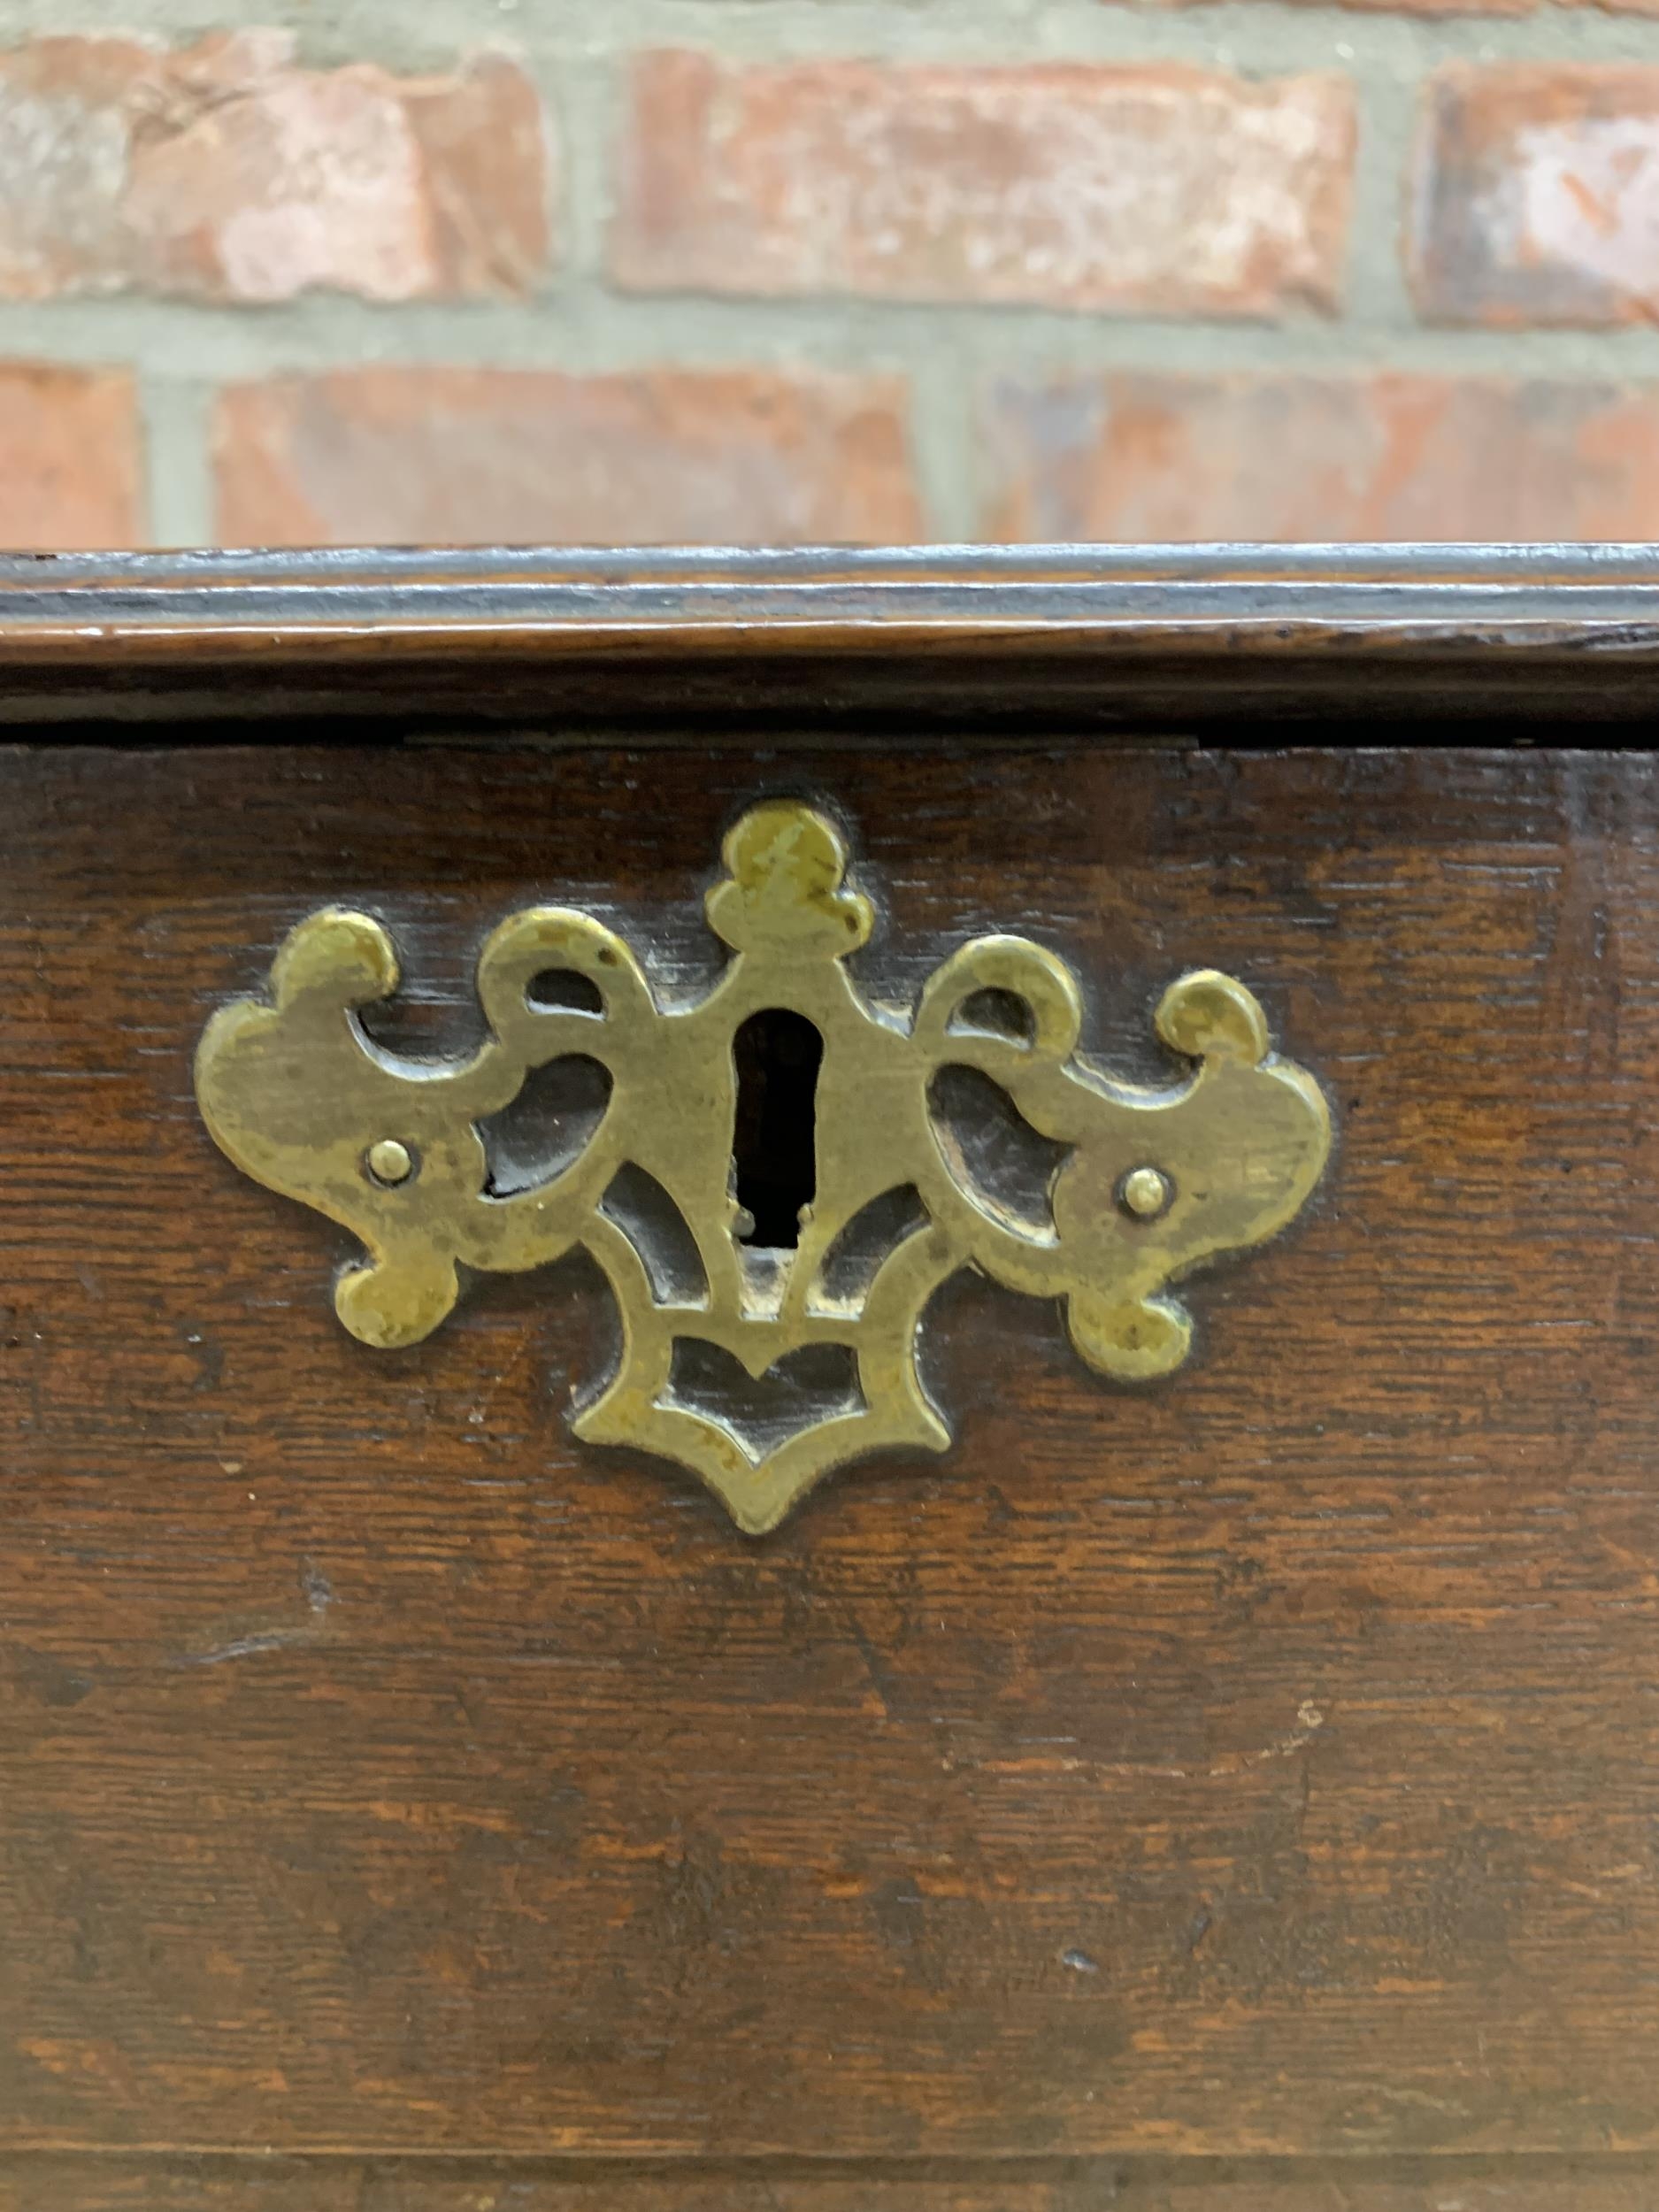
[1414, 642]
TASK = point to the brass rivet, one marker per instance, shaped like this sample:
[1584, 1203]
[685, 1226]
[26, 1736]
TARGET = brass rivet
[389, 1162]
[1145, 1192]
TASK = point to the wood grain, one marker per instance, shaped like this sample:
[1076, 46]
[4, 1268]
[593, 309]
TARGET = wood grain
[1418, 643]
[69, 2182]
[1262, 1764]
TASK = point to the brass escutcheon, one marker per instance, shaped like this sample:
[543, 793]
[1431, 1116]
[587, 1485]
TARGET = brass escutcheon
[1148, 1183]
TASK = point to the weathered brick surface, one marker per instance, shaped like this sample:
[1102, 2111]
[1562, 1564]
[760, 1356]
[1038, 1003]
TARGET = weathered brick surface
[224, 171]
[446, 455]
[70, 469]
[789, 211]
[1165, 190]
[1310, 458]
[1537, 196]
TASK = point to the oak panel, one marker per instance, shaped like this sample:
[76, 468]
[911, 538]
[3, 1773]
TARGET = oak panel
[1261, 1765]
[68, 2181]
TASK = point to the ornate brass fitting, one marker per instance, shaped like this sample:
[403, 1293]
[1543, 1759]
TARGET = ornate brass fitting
[805, 1196]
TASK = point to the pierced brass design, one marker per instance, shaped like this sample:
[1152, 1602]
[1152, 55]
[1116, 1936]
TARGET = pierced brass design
[1148, 1183]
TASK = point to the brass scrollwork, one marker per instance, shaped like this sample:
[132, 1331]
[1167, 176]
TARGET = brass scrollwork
[1150, 1182]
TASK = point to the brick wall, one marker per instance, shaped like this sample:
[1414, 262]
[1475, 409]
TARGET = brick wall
[338, 270]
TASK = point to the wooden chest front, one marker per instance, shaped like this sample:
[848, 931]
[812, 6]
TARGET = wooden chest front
[1235, 1789]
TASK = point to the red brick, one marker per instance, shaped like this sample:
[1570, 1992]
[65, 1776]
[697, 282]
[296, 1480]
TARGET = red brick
[1312, 459]
[1162, 190]
[458, 456]
[69, 459]
[1537, 197]
[226, 172]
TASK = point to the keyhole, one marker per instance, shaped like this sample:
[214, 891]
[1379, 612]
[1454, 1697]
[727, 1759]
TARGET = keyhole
[777, 1054]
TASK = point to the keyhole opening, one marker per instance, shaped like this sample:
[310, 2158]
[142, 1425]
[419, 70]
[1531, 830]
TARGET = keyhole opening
[777, 1054]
